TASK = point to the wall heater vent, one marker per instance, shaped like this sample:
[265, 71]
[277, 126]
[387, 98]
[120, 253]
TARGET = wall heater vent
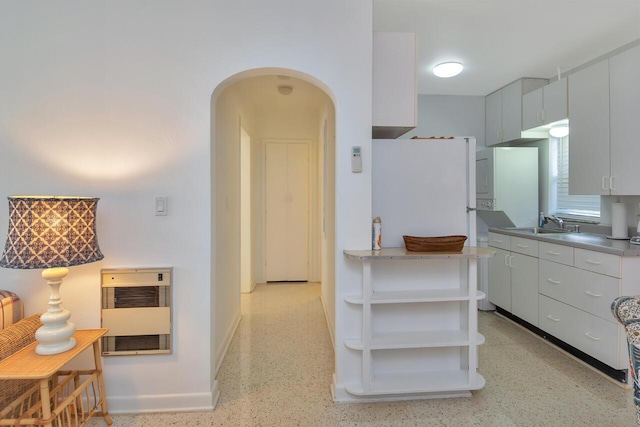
[136, 308]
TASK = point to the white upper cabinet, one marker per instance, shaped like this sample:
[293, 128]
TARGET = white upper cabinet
[532, 109]
[589, 169]
[493, 118]
[394, 84]
[512, 111]
[625, 121]
[545, 105]
[604, 126]
[503, 112]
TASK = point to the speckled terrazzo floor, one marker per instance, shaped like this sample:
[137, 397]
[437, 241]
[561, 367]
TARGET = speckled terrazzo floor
[279, 366]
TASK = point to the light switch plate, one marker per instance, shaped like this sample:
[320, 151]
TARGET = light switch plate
[162, 206]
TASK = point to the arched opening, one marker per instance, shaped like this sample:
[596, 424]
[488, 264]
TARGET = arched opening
[253, 112]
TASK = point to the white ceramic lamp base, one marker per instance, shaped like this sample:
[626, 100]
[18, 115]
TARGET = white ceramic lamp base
[56, 334]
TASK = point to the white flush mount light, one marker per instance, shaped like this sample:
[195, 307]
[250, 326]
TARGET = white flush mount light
[448, 69]
[285, 90]
[559, 131]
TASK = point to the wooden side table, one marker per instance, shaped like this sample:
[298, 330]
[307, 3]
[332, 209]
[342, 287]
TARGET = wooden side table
[72, 398]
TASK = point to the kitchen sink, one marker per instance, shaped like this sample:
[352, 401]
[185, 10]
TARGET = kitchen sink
[537, 230]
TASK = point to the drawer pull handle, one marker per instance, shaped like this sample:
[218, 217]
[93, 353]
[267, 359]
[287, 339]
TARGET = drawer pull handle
[554, 253]
[592, 294]
[592, 337]
[520, 245]
[497, 240]
[555, 282]
[590, 261]
[553, 318]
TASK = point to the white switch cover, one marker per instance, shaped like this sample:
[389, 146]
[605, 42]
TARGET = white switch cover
[161, 206]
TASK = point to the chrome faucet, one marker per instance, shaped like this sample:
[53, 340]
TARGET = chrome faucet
[555, 219]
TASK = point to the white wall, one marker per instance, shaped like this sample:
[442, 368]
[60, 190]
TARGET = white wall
[113, 99]
[326, 167]
[440, 115]
[229, 113]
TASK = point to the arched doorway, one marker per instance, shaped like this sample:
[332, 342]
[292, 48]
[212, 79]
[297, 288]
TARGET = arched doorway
[253, 106]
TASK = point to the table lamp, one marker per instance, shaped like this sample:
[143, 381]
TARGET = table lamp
[53, 233]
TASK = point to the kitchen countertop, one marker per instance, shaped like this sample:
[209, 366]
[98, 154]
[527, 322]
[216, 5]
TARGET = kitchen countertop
[593, 242]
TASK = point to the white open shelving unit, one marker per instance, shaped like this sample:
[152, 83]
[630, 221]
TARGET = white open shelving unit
[419, 323]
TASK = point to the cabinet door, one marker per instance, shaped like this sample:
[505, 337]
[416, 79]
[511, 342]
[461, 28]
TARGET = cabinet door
[555, 101]
[531, 109]
[500, 280]
[493, 118]
[524, 287]
[394, 79]
[589, 130]
[512, 111]
[625, 112]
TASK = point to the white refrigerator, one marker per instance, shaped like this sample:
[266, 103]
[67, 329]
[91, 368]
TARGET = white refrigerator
[424, 187]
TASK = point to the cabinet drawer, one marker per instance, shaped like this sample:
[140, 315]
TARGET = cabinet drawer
[556, 280]
[524, 246]
[556, 253]
[584, 331]
[588, 291]
[597, 262]
[500, 241]
[594, 293]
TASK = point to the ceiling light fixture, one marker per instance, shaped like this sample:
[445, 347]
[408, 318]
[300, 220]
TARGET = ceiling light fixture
[559, 131]
[448, 69]
[285, 90]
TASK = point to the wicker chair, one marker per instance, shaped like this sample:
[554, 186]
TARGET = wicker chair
[12, 339]
[626, 310]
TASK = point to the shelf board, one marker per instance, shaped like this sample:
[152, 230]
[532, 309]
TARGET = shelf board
[417, 339]
[419, 382]
[422, 295]
[467, 252]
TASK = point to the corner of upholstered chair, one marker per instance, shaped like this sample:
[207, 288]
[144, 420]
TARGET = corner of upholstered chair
[626, 308]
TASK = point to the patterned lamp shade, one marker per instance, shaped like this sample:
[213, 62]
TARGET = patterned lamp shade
[51, 231]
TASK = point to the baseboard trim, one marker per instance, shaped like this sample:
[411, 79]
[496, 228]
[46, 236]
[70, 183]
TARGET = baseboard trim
[187, 402]
[221, 354]
[215, 394]
[328, 321]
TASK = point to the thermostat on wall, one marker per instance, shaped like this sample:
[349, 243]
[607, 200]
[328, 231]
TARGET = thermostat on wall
[356, 159]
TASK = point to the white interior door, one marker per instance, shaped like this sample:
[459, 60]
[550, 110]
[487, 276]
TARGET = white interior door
[287, 211]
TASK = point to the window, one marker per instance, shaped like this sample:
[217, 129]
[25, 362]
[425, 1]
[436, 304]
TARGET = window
[573, 207]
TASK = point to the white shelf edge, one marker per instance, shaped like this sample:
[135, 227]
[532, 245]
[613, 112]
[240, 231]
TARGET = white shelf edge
[421, 382]
[405, 297]
[417, 339]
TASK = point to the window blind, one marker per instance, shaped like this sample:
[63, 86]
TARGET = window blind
[571, 206]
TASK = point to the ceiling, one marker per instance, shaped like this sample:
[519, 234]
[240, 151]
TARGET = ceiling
[500, 41]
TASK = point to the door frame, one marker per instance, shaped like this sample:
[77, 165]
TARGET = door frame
[312, 177]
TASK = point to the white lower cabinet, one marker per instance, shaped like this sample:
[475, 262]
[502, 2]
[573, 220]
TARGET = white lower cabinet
[419, 324]
[513, 276]
[588, 333]
[573, 296]
[524, 287]
[500, 279]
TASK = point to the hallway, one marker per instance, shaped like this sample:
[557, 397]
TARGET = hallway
[278, 373]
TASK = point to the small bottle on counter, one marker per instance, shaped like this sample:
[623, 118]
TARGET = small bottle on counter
[376, 234]
[542, 221]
